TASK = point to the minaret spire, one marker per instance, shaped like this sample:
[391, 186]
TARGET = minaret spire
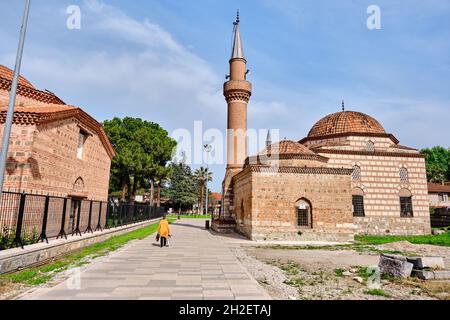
[268, 140]
[238, 49]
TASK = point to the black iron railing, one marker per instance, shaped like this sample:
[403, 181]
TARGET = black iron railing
[30, 218]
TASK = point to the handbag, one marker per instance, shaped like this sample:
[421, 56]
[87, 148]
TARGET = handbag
[157, 237]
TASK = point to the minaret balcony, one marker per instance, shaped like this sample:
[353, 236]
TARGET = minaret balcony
[236, 86]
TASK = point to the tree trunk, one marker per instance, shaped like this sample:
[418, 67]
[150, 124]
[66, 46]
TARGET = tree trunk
[133, 193]
[123, 193]
[158, 200]
[152, 192]
[202, 187]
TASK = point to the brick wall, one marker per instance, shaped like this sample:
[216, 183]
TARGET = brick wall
[272, 211]
[381, 184]
[43, 159]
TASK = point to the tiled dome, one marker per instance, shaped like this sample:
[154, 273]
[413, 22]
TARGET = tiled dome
[8, 74]
[288, 147]
[346, 122]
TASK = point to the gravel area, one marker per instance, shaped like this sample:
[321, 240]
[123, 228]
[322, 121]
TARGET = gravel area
[335, 274]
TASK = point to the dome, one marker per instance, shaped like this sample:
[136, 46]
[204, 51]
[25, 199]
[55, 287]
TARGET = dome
[346, 122]
[288, 147]
[8, 74]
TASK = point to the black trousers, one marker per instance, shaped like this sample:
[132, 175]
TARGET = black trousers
[163, 242]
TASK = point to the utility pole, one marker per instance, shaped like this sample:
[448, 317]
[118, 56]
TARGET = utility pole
[208, 149]
[12, 97]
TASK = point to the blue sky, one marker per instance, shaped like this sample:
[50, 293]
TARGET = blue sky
[165, 61]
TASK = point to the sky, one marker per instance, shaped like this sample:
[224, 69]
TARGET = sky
[166, 61]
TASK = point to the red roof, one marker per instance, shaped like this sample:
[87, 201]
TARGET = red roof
[216, 196]
[438, 188]
[8, 74]
[48, 107]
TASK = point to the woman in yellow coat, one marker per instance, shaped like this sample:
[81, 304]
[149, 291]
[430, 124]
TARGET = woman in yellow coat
[164, 231]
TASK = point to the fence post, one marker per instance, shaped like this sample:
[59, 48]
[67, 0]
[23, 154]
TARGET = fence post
[18, 238]
[99, 224]
[43, 235]
[62, 232]
[77, 229]
[89, 229]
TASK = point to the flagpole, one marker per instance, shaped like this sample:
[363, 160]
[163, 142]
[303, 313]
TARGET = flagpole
[12, 96]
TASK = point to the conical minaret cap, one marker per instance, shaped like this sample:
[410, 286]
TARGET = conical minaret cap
[238, 49]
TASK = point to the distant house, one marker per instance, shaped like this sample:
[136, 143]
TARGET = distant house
[55, 148]
[439, 195]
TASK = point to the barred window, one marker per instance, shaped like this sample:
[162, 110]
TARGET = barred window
[358, 202]
[304, 214]
[370, 146]
[406, 207]
[404, 175]
[358, 206]
[356, 175]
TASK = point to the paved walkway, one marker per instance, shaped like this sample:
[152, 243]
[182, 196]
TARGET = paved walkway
[197, 265]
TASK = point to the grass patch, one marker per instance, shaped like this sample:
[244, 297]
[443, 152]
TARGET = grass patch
[377, 292]
[437, 240]
[40, 275]
[339, 272]
[295, 282]
[290, 269]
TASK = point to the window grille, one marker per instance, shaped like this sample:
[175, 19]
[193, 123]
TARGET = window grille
[356, 175]
[406, 208]
[404, 175]
[304, 215]
[358, 206]
[370, 146]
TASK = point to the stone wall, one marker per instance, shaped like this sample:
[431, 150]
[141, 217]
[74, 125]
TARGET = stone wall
[243, 205]
[274, 212]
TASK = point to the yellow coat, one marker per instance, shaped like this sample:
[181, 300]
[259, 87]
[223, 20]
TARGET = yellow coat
[163, 228]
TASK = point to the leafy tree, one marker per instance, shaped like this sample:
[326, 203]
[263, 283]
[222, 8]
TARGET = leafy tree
[182, 189]
[143, 150]
[202, 176]
[437, 164]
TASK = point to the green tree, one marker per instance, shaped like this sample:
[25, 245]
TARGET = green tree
[143, 150]
[437, 164]
[202, 176]
[181, 189]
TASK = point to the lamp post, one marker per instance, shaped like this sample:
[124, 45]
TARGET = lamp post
[12, 96]
[208, 149]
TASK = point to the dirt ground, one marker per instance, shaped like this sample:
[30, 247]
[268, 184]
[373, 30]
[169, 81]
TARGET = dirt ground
[338, 273]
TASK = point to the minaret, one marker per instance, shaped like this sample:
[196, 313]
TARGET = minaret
[237, 92]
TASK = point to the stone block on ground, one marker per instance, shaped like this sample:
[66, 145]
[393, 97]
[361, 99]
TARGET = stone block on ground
[427, 262]
[432, 275]
[423, 274]
[395, 265]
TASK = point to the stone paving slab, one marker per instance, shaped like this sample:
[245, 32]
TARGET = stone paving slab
[197, 265]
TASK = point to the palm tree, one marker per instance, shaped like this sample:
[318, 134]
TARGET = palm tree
[203, 176]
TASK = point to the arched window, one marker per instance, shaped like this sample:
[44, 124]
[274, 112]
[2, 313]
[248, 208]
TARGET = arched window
[358, 202]
[370, 146]
[404, 175]
[356, 175]
[406, 207]
[304, 214]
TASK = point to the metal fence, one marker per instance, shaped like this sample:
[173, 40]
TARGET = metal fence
[440, 219]
[29, 218]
